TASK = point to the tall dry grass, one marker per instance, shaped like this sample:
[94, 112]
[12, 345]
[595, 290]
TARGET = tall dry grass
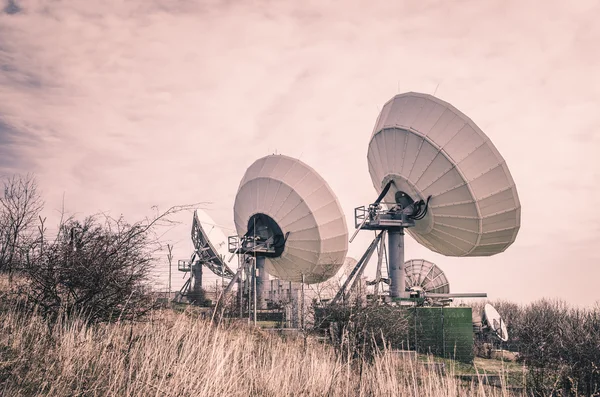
[177, 355]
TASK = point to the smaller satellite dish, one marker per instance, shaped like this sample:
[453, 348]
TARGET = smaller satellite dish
[210, 244]
[349, 264]
[422, 275]
[494, 321]
[286, 203]
[347, 269]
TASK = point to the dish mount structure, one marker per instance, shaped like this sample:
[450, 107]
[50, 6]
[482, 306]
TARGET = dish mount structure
[210, 251]
[440, 179]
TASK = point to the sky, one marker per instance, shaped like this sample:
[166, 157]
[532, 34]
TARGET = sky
[120, 106]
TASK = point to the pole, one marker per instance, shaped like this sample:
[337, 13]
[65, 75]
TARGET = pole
[240, 283]
[222, 269]
[170, 257]
[248, 287]
[254, 289]
[302, 304]
[291, 306]
[396, 263]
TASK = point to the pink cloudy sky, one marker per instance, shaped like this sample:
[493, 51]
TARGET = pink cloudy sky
[124, 105]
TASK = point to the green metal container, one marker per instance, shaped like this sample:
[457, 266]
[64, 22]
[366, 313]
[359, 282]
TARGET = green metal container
[443, 331]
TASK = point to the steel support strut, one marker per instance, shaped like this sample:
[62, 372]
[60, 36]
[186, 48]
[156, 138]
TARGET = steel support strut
[357, 269]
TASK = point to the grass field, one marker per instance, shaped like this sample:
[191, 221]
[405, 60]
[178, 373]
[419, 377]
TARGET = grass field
[177, 354]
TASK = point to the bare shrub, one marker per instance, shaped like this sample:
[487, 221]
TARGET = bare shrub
[561, 347]
[578, 351]
[98, 267]
[20, 206]
[362, 331]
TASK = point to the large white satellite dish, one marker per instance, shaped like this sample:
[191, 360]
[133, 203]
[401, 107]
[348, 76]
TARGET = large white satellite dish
[428, 148]
[282, 200]
[494, 321]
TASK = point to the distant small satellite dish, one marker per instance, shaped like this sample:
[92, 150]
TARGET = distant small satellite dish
[280, 195]
[422, 275]
[429, 148]
[348, 269]
[349, 264]
[494, 321]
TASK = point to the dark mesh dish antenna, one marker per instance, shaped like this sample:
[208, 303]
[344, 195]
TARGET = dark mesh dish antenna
[425, 276]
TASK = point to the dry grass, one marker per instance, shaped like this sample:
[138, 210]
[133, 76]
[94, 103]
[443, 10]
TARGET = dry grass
[177, 355]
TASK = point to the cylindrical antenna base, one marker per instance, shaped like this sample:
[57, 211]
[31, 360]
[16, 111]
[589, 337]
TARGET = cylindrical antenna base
[197, 275]
[261, 282]
[396, 263]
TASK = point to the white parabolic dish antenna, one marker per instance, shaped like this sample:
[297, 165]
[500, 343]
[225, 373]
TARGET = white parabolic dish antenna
[210, 244]
[346, 271]
[429, 148]
[495, 322]
[283, 195]
[426, 276]
[214, 235]
[349, 264]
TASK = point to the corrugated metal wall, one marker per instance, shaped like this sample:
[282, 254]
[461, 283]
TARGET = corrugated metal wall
[444, 332]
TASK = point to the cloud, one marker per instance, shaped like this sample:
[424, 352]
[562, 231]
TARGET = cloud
[11, 7]
[8, 158]
[124, 105]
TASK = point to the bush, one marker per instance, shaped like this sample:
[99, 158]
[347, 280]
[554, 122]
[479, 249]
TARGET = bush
[363, 330]
[178, 355]
[198, 297]
[20, 206]
[98, 268]
[560, 345]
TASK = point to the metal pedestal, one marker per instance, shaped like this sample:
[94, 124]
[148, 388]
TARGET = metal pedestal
[197, 275]
[261, 282]
[396, 263]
